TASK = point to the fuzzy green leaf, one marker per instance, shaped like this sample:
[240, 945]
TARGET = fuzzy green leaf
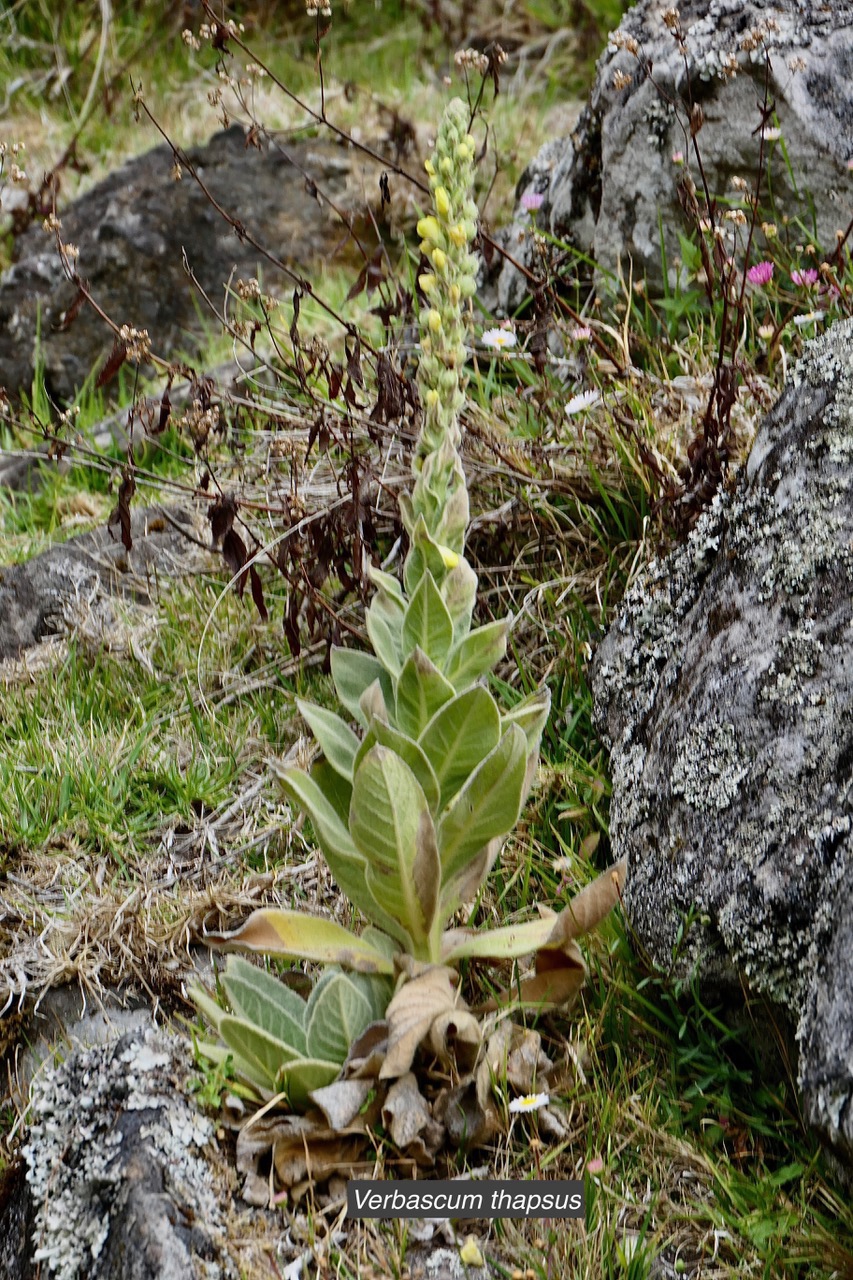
[487, 806]
[385, 641]
[353, 671]
[337, 1014]
[392, 828]
[459, 736]
[478, 653]
[531, 716]
[427, 624]
[298, 1080]
[266, 1002]
[421, 690]
[258, 1048]
[459, 593]
[409, 751]
[337, 740]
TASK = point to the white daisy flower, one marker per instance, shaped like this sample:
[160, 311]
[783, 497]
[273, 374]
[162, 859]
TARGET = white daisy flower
[580, 403]
[810, 317]
[499, 339]
[530, 1102]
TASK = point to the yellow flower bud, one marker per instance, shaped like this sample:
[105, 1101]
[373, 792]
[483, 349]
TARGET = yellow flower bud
[457, 235]
[446, 165]
[455, 294]
[469, 138]
[439, 259]
[450, 558]
[464, 153]
[432, 398]
[429, 229]
[427, 281]
[434, 321]
[430, 167]
[442, 202]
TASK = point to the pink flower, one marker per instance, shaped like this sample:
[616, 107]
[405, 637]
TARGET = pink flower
[595, 1165]
[678, 157]
[807, 277]
[532, 200]
[581, 333]
[761, 273]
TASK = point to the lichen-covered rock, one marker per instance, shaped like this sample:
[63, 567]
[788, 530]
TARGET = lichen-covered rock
[132, 229]
[117, 1174]
[611, 189]
[72, 586]
[725, 695]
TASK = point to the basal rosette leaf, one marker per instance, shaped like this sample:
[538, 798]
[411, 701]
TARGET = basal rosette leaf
[459, 736]
[263, 1052]
[297, 1080]
[392, 828]
[265, 1001]
[486, 807]
[293, 935]
[337, 1012]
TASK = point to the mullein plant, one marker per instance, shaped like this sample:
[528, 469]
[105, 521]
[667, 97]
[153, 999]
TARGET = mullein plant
[411, 808]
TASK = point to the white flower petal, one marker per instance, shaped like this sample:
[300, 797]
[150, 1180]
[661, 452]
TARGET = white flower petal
[580, 403]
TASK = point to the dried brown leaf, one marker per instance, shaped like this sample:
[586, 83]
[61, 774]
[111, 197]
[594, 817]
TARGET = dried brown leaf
[429, 997]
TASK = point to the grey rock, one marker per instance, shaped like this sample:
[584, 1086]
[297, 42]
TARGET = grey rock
[70, 587]
[725, 695]
[612, 186]
[118, 1168]
[131, 230]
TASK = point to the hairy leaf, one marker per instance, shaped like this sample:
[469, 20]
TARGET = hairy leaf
[421, 690]
[337, 740]
[427, 623]
[478, 653]
[337, 1014]
[386, 643]
[459, 736]
[258, 1048]
[487, 806]
[266, 1002]
[391, 827]
[352, 672]
[409, 751]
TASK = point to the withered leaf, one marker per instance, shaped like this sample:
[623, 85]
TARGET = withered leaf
[221, 516]
[120, 514]
[71, 313]
[426, 999]
[235, 556]
[165, 412]
[341, 1102]
[258, 593]
[405, 1113]
[114, 361]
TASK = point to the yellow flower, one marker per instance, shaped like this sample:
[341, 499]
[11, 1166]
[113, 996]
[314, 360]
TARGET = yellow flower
[429, 229]
[434, 321]
[439, 259]
[457, 235]
[442, 202]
